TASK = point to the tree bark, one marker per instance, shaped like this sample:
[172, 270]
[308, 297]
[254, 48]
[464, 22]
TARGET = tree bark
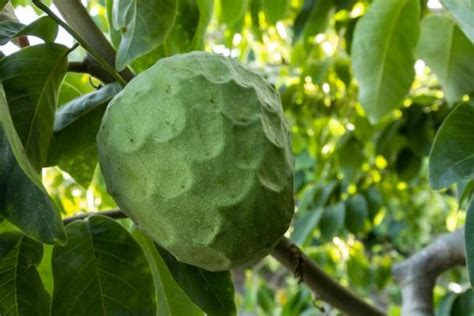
[417, 275]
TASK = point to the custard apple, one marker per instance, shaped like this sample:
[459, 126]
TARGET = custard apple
[196, 151]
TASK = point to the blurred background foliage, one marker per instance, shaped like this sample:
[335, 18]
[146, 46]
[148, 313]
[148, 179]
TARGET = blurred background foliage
[362, 190]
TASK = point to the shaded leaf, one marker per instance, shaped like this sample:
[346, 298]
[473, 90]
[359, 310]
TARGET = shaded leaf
[383, 54]
[213, 292]
[23, 200]
[230, 11]
[186, 35]
[31, 78]
[449, 53]
[463, 304]
[357, 211]
[408, 164]
[302, 18]
[144, 25]
[310, 210]
[170, 298]
[73, 86]
[332, 220]
[465, 190]
[275, 10]
[463, 13]
[305, 224]
[351, 157]
[452, 155]
[469, 241]
[21, 289]
[101, 271]
[44, 28]
[73, 147]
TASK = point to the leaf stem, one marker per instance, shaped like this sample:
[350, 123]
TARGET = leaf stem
[97, 57]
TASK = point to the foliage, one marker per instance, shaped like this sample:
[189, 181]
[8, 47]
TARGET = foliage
[378, 95]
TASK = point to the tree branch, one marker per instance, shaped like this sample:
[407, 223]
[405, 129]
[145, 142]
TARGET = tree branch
[324, 286]
[89, 66]
[292, 258]
[417, 275]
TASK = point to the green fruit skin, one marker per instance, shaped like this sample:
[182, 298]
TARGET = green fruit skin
[197, 152]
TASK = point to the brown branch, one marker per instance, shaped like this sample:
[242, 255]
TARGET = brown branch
[324, 286]
[115, 214]
[89, 66]
[292, 258]
[417, 275]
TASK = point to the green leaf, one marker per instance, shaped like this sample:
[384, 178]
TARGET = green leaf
[275, 10]
[230, 11]
[73, 147]
[23, 200]
[186, 35]
[170, 298]
[144, 25]
[357, 211]
[74, 85]
[101, 271]
[449, 53]
[465, 190]
[452, 155]
[21, 289]
[332, 220]
[463, 13]
[307, 219]
[351, 157]
[302, 18]
[213, 292]
[463, 304]
[44, 28]
[383, 54]
[319, 18]
[31, 78]
[469, 241]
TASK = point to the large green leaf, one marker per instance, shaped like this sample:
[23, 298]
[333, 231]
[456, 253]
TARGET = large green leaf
[449, 53]
[23, 200]
[21, 289]
[383, 54]
[452, 155]
[101, 271]
[144, 25]
[73, 147]
[463, 12]
[186, 35]
[31, 78]
[170, 298]
[213, 292]
[44, 28]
